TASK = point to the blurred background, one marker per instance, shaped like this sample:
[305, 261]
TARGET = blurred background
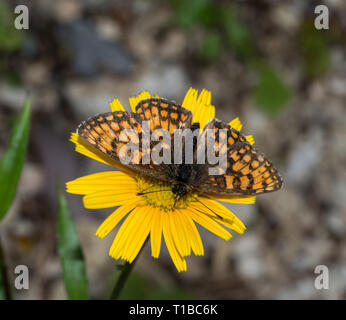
[263, 61]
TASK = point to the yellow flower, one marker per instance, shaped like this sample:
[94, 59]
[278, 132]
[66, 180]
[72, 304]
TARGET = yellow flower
[150, 205]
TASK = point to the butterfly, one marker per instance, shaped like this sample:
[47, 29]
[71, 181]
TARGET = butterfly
[248, 172]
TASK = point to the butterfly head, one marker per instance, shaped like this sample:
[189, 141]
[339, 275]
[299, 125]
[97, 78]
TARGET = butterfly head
[180, 189]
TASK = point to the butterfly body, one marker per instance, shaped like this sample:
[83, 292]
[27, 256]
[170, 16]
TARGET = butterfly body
[248, 172]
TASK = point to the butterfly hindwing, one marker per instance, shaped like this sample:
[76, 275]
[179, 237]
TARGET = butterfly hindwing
[248, 172]
[163, 114]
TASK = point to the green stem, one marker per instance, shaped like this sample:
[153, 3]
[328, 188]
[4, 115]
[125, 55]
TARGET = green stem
[3, 275]
[126, 271]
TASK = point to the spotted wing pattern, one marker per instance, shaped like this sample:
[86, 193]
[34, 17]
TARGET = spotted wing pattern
[163, 114]
[248, 172]
[105, 132]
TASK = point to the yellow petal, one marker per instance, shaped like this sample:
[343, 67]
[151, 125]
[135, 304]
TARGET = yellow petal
[117, 249]
[156, 232]
[89, 151]
[204, 111]
[111, 222]
[236, 124]
[231, 226]
[250, 139]
[204, 98]
[234, 199]
[139, 236]
[194, 236]
[133, 103]
[100, 181]
[190, 100]
[109, 198]
[216, 209]
[209, 224]
[178, 234]
[204, 115]
[116, 105]
[178, 260]
[135, 100]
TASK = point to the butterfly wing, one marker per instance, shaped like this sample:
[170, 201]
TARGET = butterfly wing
[248, 171]
[105, 132]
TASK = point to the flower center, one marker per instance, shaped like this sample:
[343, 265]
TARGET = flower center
[158, 194]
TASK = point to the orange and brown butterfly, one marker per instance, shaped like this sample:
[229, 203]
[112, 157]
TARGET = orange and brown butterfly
[248, 171]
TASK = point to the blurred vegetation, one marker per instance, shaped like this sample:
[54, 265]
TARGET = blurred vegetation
[138, 287]
[70, 253]
[11, 166]
[13, 160]
[314, 46]
[11, 39]
[271, 92]
[224, 30]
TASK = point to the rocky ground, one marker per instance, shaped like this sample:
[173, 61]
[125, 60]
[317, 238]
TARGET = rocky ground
[78, 55]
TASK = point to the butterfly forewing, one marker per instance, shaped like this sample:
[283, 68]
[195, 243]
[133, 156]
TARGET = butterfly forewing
[106, 133]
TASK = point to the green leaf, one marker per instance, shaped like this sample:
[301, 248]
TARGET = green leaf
[211, 48]
[12, 161]
[271, 93]
[238, 34]
[70, 253]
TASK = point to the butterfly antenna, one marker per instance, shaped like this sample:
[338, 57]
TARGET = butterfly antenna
[175, 201]
[143, 193]
[208, 208]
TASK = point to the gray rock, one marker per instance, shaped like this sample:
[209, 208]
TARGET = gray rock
[304, 159]
[168, 81]
[91, 54]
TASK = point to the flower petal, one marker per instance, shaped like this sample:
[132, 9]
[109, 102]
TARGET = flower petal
[250, 139]
[156, 232]
[234, 199]
[109, 198]
[118, 246]
[107, 180]
[178, 260]
[209, 224]
[116, 105]
[216, 210]
[236, 124]
[136, 99]
[111, 222]
[203, 111]
[190, 100]
[178, 234]
[138, 236]
[194, 236]
[91, 152]
[205, 114]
